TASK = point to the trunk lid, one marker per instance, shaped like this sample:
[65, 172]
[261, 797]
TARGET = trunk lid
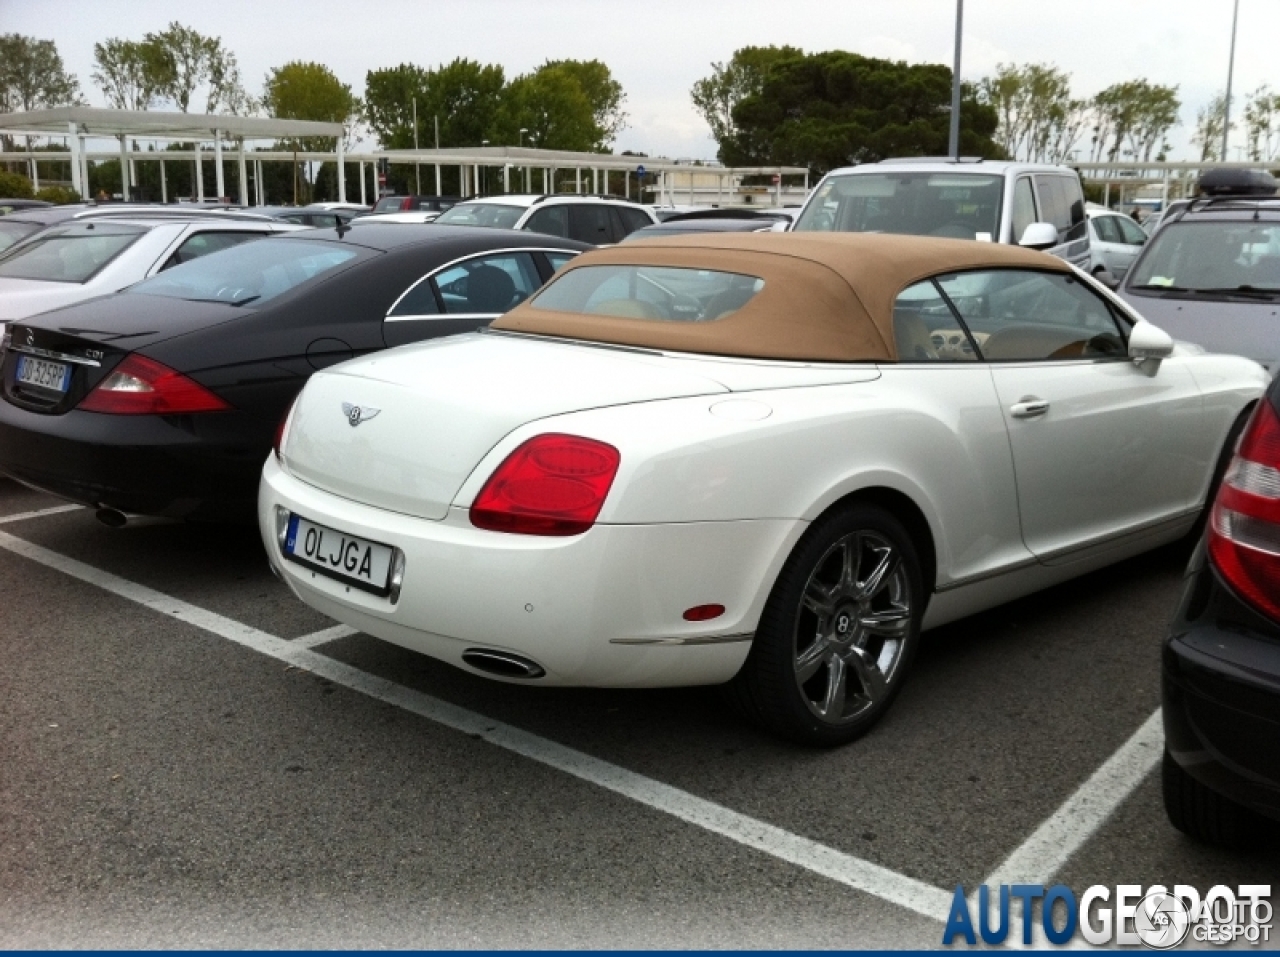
[442, 405]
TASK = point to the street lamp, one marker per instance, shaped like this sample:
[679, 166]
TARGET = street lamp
[484, 172]
[953, 144]
[1231, 65]
[523, 131]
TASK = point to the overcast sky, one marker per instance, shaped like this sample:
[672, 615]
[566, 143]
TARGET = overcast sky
[657, 49]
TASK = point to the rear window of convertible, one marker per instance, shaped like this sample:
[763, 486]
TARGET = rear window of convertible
[665, 293]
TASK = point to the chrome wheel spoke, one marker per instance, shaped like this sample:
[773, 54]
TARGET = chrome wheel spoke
[818, 598]
[869, 673]
[850, 560]
[880, 575]
[890, 623]
[837, 688]
[811, 659]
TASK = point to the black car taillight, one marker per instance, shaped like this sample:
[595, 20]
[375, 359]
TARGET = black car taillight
[141, 386]
[1244, 527]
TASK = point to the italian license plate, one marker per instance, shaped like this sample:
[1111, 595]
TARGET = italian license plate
[43, 374]
[359, 563]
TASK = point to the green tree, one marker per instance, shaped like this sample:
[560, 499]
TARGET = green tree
[309, 91]
[825, 110]
[1132, 119]
[131, 74]
[1208, 135]
[192, 62]
[552, 106]
[730, 83]
[32, 76]
[1262, 124]
[1038, 119]
[604, 93]
[464, 96]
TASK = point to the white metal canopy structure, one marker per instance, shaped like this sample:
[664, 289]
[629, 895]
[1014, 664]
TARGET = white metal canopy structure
[81, 122]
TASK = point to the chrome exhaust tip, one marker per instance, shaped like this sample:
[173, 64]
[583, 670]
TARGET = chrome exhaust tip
[502, 663]
[112, 518]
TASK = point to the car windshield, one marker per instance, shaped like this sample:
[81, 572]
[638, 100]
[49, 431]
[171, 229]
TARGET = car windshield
[649, 292]
[497, 215]
[956, 205]
[70, 253]
[1210, 257]
[11, 232]
[249, 273]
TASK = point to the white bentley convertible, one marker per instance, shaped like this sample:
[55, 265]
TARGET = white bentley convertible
[765, 459]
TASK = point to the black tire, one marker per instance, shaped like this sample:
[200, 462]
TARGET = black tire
[1203, 814]
[874, 652]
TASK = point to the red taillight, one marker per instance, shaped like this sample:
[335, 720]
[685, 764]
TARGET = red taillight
[1244, 527]
[703, 612]
[551, 485]
[140, 386]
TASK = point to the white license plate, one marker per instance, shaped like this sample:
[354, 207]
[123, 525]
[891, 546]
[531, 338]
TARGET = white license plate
[362, 564]
[43, 374]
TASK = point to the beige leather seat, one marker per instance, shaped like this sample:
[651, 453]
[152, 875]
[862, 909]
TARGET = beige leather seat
[912, 337]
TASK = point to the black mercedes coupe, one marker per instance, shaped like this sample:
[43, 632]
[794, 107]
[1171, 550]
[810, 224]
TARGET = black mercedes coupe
[164, 399]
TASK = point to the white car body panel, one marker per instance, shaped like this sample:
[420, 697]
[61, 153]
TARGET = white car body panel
[724, 464]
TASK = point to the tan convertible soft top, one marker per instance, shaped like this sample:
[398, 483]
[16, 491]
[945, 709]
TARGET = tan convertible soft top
[827, 297]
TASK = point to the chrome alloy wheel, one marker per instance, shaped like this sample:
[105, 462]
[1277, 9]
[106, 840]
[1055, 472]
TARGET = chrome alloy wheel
[851, 627]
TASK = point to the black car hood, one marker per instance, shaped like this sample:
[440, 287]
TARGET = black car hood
[130, 321]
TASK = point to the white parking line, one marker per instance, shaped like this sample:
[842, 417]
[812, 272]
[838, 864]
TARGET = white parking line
[323, 637]
[39, 513]
[862, 875]
[1050, 846]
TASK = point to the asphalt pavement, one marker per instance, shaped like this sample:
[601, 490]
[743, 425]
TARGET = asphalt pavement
[193, 758]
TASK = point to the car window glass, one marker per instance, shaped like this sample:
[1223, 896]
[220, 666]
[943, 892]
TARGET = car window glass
[201, 244]
[1017, 314]
[1024, 207]
[487, 284]
[245, 274]
[10, 233]
[1216, 256]
[955, 205]
[1105, 227]
[558, 260]
[1131, 232]
[632, 219]
[71, 254]
[496, 215]
[554, 221]
[649, 292]
[589, 223]
[925, 329]
[1062, 204]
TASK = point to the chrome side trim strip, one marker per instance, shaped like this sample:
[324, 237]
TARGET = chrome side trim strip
[441, 316]
[696, 640]
[50, 354]
[1049, 558]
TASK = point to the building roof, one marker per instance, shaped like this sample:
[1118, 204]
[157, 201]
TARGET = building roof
[827, 297]
[94, 121]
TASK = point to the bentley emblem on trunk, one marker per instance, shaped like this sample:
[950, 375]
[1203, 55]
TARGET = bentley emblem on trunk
[356, 414]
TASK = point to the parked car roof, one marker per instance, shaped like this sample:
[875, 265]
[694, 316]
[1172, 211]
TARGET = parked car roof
[839, 289]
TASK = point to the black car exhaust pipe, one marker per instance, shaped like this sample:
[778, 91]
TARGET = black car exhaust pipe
[502, 663]
[112, 518]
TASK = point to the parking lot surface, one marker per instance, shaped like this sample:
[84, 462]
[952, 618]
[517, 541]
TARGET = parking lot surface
[194, 758]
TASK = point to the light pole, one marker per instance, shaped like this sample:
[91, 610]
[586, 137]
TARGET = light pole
[520, 142]
[953, 143]
[1231, 66]
[484, 172]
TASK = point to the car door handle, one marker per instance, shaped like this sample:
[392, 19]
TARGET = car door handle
[1029, 407]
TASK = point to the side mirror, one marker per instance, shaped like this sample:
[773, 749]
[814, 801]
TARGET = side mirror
[781, 226]
[1107, 278]
[1149, 342]
[1040, 236]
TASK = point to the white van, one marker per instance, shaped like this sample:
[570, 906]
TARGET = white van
[1026, 204]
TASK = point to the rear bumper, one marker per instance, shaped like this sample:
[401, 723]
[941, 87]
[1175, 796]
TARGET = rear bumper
[176, 466]
[1221, 690]
[600, 609]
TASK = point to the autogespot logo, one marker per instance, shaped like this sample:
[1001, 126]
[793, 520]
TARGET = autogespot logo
[1155, 916]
